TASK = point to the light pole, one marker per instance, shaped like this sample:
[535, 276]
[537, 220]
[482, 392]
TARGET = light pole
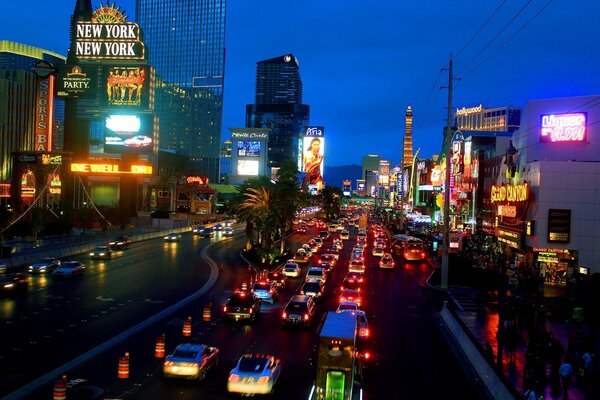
[447, 143]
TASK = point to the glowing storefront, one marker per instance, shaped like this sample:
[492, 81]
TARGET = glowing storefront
[248, 154]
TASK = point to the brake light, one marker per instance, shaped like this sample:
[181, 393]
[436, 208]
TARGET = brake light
[225, 309]
[306, 317]
[367, 355]
[284, 315]
[406, 254]
[168, 363]
[233, 378]
[263, 379]
[251, 310]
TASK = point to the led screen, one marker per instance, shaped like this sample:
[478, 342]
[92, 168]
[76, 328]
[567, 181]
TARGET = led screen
[128, 134]
[248, 149]
[247, 167]
[126, 86]
[312, 161]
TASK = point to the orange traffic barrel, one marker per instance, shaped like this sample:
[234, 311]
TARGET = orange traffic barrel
[187, 327]
[60, 388]
[206, 313]
[159, 349]
[123, 372]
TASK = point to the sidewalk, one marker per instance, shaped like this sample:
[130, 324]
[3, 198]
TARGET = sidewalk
[483, 324]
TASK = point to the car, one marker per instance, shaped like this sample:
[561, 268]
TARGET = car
[301, 257]
[300, 310]
[355, 275]
[347, 305]
[101, 252]
[301, 229]
[327, 267]
[313, 288]
[203, 231]
[228, 224]
[357, 265]
[348, 294]
[324, 235]
[345, 235]
[254, 374]
[173, 237]
[44, 265]
[120, 243]
[351, 283]
[217, 227]
[69, 269]
[191, 361]
[357, 255]
[264, 290]
[278, 279]
[316, 273]
[377, 252]
[328, 257]
[333, 228]
[138, 141]
[387, 261]
[13, 282]
[339, 243]
[228, 232]
[241, 306]
[3, 267]
[291, 270]
[318, 241]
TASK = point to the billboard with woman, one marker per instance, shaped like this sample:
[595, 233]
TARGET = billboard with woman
[312, 159]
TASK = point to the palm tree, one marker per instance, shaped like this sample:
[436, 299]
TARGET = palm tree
[246, 214]
[288, 199]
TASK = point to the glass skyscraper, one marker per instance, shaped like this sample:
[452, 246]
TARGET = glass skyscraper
[185, 41]
[278, 106]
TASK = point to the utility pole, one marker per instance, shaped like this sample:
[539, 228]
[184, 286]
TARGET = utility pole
[448, 153]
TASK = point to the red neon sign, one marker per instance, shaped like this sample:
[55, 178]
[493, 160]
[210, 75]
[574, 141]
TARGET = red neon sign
[563, 128]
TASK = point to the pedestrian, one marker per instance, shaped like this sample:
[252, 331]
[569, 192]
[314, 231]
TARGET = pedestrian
[566, 372]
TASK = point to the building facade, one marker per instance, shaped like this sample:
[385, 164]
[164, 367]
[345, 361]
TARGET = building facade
[186, 46]
[278, 107]
[407, 153]
[501, 119]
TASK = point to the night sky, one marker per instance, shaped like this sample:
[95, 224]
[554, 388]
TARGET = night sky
[363, 62]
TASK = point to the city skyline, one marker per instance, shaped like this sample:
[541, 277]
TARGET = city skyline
[360, 75]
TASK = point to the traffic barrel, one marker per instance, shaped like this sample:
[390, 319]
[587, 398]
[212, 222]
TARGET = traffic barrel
[159, 349]
[187, 327]
[123, 372]
[60, 388]
[206, 313]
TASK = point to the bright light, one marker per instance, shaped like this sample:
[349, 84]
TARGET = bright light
[123, 123]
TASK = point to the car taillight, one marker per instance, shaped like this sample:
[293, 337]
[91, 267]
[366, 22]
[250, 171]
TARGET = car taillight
[406, 254]
[233, 378]
[225, 309]
[168, 363]
[263, 379]
[250, 310]
[367, 355]
[306, 317]
[284, 315]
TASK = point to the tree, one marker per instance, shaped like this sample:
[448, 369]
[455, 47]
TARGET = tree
[331, 196]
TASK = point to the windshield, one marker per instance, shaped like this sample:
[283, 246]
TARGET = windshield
[252, 364]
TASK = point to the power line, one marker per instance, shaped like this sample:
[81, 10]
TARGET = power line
[481, 27]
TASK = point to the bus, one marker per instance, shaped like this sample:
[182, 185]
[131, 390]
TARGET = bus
[408, 247]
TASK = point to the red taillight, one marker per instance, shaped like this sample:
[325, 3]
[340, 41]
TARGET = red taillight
[234, 378]
[263, 379]
[306, 317]
[225, 309]
[406, 254]
[168, 363]
[284, 315]
[367, 355]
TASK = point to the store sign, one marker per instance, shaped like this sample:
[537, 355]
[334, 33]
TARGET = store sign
[470, 110]
[510, 193]
[511, 238]
[563, 128]
[199, 180]
[559, 225]
[314, 131]
[93, 168]
[250, 135]
[43, 113]
[102, 41]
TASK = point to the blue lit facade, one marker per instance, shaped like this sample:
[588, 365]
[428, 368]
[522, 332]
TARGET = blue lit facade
[186, 46]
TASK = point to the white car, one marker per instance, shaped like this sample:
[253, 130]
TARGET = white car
[291, 270]
[264, 290]
[45, 265]
[69, 269]
[316, 273]
[387, 261]
[347, 305]
[173, 237]
[345, 235]
[254, 374]
[190, 361]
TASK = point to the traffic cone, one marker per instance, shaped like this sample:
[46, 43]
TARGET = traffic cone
[187, 327]
[159, 349]
[206, 313]
[123, 372]
[60, 388]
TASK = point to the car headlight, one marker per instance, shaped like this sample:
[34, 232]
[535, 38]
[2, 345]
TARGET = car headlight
[8, 285]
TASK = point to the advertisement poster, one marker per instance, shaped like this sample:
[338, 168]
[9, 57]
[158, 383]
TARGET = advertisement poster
[312, 161]
[126, 86]
[128, 134]
[248, 149]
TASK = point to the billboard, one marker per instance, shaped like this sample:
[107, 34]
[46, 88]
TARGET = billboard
[128, 134]
[43, 112]
[248, 149]
[247, 167]
[76, 80]
[126, 86]
[313, 148]
[563, 128]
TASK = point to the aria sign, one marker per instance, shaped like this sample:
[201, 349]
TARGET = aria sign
[563, 128]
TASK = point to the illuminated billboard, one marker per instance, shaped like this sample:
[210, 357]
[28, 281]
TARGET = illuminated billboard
[563, 128]
[247, 167]
[76, 80]
[126, 86]
[128, 134]
[248, 149]
[313, 148]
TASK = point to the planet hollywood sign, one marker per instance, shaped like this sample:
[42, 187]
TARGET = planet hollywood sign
[108, 41]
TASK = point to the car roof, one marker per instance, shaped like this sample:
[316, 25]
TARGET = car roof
[191, 347]
[300, 298]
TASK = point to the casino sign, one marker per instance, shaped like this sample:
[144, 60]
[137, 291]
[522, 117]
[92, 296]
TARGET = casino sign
[511, 202]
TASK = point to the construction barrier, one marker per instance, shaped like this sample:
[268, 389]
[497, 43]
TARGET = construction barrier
[187, 327]
[159, 349]
[123, 372]
[60, 388]
[206, 313]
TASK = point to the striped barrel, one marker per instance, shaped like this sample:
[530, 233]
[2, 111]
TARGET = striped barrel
[187, 327]
[159, 349]
[123, 371]
[60, 388]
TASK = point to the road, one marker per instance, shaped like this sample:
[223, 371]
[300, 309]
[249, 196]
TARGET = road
[57, 321]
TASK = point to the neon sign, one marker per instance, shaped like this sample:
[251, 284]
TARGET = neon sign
[563, 128]
[510, 193]
[110, 169]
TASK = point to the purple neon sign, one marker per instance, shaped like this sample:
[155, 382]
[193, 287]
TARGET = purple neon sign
[563, 128]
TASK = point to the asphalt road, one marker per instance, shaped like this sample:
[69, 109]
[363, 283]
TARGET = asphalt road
[57, 321]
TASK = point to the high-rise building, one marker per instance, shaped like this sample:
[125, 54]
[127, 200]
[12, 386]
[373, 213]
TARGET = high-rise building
[17, 101]
[186, 46]
[278, 107]
[408, 149]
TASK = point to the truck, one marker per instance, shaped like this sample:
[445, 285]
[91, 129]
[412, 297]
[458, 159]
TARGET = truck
[337, 361]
